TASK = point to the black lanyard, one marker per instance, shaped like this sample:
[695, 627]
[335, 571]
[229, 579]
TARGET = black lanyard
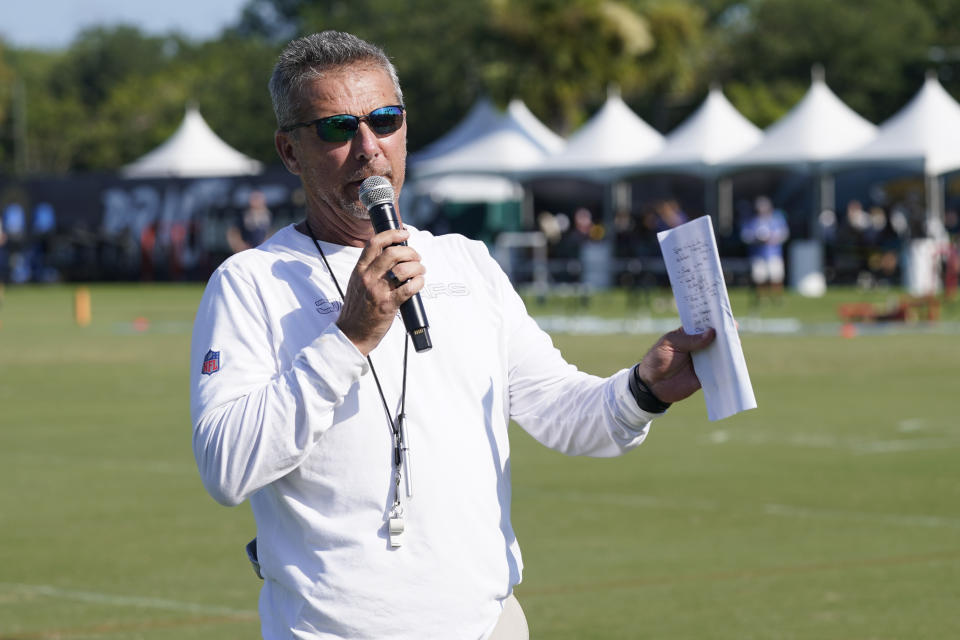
[397, 425]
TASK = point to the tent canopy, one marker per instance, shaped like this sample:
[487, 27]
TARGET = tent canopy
[193, 150]
[546, 139]
[819, 128]
[467, 188]
[715, 132]
[924, 134]
[481, 118]
[512, 143]
[613, 138]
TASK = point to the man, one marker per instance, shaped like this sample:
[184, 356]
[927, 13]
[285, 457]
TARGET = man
[366, 527]
[252, 227]
[764, 234]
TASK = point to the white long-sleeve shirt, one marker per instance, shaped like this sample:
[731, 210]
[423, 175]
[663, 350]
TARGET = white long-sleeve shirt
[286, 414]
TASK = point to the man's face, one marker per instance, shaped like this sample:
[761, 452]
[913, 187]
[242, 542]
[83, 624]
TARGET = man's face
[331, 172]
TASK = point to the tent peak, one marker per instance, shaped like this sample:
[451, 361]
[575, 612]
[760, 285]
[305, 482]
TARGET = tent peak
[192, 151]
[818, 74]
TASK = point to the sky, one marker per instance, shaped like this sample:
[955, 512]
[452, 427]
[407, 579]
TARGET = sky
[52, 24]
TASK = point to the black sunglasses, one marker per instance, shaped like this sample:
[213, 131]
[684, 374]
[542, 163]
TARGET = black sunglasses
[341, 128]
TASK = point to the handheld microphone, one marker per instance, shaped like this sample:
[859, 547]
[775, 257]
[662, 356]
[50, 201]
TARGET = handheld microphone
[376, 194]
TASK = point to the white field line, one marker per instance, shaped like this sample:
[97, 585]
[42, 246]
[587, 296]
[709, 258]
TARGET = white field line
[906, 444]
[857, 516]
[778, 510]
[101, 463]
[642, 324]
[858, 446]
[94, 597]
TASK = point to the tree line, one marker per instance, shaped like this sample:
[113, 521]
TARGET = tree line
[116, 92]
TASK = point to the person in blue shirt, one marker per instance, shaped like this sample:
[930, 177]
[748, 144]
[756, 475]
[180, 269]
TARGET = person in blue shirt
[15, 233]
[42, 230]
[253, 227]
[764, 234]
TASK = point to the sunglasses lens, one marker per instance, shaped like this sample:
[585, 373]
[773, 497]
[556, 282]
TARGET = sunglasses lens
[342, 128]
[386, 120]
[337, 128]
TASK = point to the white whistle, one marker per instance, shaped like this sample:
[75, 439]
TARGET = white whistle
[396, 530]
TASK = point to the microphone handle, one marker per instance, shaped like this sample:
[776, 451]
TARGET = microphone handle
[384, 217]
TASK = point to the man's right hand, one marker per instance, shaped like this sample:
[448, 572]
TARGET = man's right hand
[385, 277]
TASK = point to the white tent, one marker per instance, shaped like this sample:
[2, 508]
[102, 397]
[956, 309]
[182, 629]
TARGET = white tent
[819, 128]
[193, 150]
[518, 112]
[466, 188]
[481, 118]
[611, 140]
[515, 142]
[713, 133]
[815, 131]
[924, 135]
[504, 150]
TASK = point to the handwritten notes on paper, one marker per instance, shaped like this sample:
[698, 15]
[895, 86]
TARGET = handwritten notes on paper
[693, 264]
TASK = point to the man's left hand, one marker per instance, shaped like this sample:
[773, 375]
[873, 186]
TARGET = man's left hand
[667, 368]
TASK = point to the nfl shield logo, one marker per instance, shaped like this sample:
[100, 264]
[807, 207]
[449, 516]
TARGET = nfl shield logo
[211, 362]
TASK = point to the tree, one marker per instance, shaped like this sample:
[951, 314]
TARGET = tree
[115, 93]
[53, 127]
[272, 20]
[874, 65]
[7, 96]
[672, 79]
[227, 78]
[100, 58]
[562, 56]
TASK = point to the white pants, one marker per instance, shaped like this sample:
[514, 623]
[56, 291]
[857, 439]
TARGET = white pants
[767, 270]
[512, 624]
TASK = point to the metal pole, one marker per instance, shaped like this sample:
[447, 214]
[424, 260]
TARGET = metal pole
[20, 150]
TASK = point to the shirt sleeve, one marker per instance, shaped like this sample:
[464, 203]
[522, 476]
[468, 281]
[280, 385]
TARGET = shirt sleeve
[252, 422]
[564, 408]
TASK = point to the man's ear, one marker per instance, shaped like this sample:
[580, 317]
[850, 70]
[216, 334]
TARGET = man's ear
[287, 150]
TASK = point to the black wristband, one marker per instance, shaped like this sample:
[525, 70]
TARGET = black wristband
[645, 398]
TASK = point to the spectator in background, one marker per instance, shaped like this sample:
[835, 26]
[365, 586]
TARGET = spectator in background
[550, 227]
[764, 234]
[857, 237]
[148, 245]
[883, 246]
[15, 229]
[668, 214]
[253, 227]
[951, 271]
[827, 231]
[3, 256]
[41, 239]
[951, 222]
[571, 245]
[626, 246]
[583, 227]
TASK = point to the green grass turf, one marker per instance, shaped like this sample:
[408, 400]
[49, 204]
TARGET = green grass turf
[830, 512]
[658, 303]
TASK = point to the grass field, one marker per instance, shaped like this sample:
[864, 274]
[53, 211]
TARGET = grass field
[830, 512]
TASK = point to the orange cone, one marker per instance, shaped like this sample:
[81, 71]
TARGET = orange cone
[82, 313]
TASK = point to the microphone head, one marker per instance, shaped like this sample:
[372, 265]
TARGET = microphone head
[376, 190]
